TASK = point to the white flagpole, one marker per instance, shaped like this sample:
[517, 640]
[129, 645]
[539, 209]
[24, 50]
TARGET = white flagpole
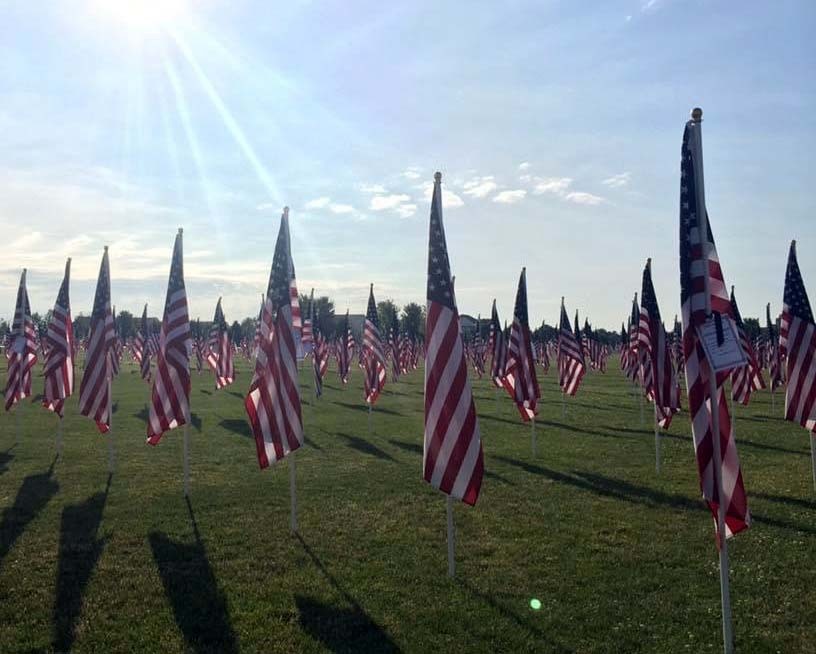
[451, 538]
[59, 438]
[293, 522]
[186, 460]
[533, 436]
[714, 397]
[110, 431]
[657, 440]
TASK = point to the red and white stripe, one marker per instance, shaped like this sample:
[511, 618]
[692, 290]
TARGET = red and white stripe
[21, 349]
[59, 362]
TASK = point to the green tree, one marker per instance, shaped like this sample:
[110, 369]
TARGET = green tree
[388, 314]
[248, 328]
[125, 324]
[413, 320]
[236, 333]
[751, 327]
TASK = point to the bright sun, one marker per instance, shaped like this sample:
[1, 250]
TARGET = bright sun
[145, 14]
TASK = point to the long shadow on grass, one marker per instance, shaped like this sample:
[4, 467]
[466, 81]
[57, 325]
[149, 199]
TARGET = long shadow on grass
[199, 606]
[363, 407]
[340, 629]
[195, 421]
[35, 492]
[362, 445]
[515, 617]
[417, 449]
[79, 552]
[584, 432]
[784, 499]
[142, 414]
[5, 459]
[236, 426]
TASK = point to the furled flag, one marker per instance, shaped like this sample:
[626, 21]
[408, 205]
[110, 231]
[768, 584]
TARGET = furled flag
[498, 349]
[653, 345]
[21, 349]
[623, 348]
[747, 378]
[219, 350]
[520, 375]
[273, 401]
[307, 338]
[94, 389]
[372, 352]
[59, 362]
[774, 358]
[343, 353]
[677, 346]
[320, 353]
[139, 341]
[702, 292]
[452, 455]
[633, 369]
[394, 341]
[116, 350]
[798, 333]
[170, 398]
[147, 349]
[571, 366]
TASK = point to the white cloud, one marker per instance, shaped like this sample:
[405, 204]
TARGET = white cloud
[580, 197]
[557, 185]
[372, 188]
[341, 208]
[510, 197]
[449, 199]
[267, 206]
[318, 203]
[524, 165]
[384, 202]
[618, 181]
[406, 210]
[480, 187]
[412, 172]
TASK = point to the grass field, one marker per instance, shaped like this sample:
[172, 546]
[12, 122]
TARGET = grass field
[622, 560]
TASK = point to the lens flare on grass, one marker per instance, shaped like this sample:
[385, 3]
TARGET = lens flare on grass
[535, 604]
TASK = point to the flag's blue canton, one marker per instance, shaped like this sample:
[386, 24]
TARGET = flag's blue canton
[796, 297]
[771, 332]
[520, 312]
[735, 310]
[371, 311]
[278, 289]
[565, 323]
[647, 297]
[102, 296]
[176, 273]
[220, 321]
[439, 275]
[577, 329]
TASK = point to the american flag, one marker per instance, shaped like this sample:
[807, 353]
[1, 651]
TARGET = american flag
[219, 350]
[59, 362]
[138, 344]
[147, 349]
[695, 258]
[94, 391]
[633, 363]
[498, 349]
[571, 367]
[344, 348]
[273, 401]
[748, 378]
[372, 352]
[307, 337]
[653, 345]
[320, 353]
[798, 333]
[170, 398]
[21, 349]
[677, 346]
[774, 357]
[116, 351]
[520, 375]
[394, 341]
[452, 456]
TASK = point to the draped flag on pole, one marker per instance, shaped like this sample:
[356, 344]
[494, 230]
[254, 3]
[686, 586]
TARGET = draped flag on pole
[170, 397]
[138, 344]
[372, 352]
[664, 389]
[273, 400]
[320, 353]
[94, 395]
[748, 378]
[498, 349]
[798, 333]
[520, 375]
[344, 348]
[774, 357]
[571, 367]
[148, 349]
[452, 454]
[59, 362]
[696, 257]
[219, 350]
[21, 349]
[307, 336]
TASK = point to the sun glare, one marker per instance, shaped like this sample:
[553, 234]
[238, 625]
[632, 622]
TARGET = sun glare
[145, 14]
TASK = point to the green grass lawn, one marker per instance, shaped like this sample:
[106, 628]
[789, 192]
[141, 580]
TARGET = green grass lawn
[622, 560]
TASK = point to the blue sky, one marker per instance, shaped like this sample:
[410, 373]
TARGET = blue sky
[556, 125]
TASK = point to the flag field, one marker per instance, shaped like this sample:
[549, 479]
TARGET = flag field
[615, 557]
